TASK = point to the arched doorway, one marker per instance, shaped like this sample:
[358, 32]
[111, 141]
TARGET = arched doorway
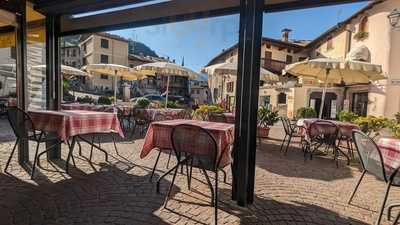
[329, 111]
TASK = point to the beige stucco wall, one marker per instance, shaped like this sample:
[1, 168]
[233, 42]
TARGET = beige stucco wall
[384, 45]
[218, 81]
[339, 47]
[117, 53]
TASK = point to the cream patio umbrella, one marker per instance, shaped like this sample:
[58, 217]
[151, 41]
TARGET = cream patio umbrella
[230, 68]
[168, 69]
[335, 71]
[66, 71]
[115, 70]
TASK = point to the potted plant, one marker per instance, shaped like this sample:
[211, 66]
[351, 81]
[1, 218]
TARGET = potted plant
[306, 112]
[142, 102]
[103, 100]
[266, 118]
[204, 111]
[372, 125]
[346, 116]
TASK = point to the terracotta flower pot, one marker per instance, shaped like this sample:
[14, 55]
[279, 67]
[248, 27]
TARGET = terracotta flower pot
[262, 132]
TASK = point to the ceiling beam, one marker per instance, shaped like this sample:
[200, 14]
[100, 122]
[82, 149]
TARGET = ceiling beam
[166, 12]
[12, 6]
[60, 7]
[302, 4]
[174, 11]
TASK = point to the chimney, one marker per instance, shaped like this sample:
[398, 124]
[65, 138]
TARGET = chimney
[285, 34]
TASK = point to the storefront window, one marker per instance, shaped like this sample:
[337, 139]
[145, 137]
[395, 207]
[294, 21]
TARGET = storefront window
[7, 60]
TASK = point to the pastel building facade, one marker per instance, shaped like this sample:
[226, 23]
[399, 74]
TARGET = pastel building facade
[368, 31]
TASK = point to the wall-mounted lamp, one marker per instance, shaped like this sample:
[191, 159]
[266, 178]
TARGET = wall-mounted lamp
[394, 18]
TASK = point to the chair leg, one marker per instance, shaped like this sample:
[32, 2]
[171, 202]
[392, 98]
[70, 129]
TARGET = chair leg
[35, 160]
[190, 173]
[115, 145]
[378, 220]
[11, 155]
[216, 199]
[356, 187]
[169, 158]
[390, 208]
[209, 185]
[225, 176]
[171, 186]
[283, 142]
[397, 219]
[155, 165]
[91, 149]
[80, 147]
[288, 144]
[162, 177]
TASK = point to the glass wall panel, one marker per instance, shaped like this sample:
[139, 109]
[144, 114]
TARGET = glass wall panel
[7, 61]
[36, 58]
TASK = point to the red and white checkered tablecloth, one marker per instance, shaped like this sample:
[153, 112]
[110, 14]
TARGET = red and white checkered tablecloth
[126, 109]
[390, 149]
[159, 136]
[159, 114]
[69, 123]
[230, 117]
[345, 129]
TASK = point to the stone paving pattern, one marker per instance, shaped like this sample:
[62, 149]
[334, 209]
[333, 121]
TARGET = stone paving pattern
[288, 190]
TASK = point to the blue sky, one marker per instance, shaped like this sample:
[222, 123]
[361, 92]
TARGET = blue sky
[198, 41]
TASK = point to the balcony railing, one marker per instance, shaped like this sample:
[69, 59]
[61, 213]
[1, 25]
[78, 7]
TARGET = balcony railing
[272, 65]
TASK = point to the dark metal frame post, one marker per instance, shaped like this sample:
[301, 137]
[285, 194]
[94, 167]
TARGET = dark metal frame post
[248, 80]
[53, 76]
[22, 76]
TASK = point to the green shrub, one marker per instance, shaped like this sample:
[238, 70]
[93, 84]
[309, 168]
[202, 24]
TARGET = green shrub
[397, 116]
[266, 117]
[142, 102]
[85, 99]
[394, 126]
[306, 112]
[170, 104]
[205, 110]
[372, 125]
[346, 116]
[103, 100]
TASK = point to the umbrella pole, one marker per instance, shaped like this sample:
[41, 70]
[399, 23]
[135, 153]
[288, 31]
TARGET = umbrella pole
[115, 88]
[324, 94]
[166, 95]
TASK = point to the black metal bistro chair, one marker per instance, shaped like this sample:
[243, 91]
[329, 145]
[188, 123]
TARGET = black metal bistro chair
[196, 147]
[321, 133]
[99, 136]
[372, 162]
[24, 130]
[290, 132]
[140, 121]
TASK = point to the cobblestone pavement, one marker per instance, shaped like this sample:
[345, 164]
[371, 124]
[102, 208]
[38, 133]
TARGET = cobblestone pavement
[288, 191]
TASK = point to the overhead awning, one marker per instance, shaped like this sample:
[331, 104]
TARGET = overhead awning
[126, 15]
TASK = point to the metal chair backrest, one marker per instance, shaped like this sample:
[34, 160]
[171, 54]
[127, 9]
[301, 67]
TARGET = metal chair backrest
[20, 122]
[370, 156]
[196, 142]
[286, 125]
[323, 131]
[217, 117]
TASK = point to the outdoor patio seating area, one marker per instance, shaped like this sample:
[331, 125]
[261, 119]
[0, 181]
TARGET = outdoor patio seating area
[198, 112]
[288, 189]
